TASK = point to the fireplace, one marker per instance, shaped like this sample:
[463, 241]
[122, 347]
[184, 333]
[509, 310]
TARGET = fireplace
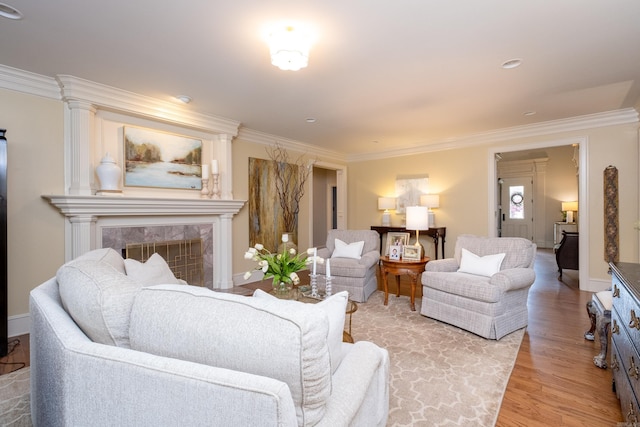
[111, 221]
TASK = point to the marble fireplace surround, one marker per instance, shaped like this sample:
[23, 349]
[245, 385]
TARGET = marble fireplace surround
[93, 221]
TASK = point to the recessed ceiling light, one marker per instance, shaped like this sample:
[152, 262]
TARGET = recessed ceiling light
[311, 119]
[529, 113]
[10, 12]
[184, 99]
[512, 63]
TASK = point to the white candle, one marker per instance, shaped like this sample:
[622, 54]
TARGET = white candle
[214, 167]
[315, 255]
[328, 269]
[205, 171]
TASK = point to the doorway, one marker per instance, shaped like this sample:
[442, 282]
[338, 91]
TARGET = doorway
[548, 211]
[328, 201]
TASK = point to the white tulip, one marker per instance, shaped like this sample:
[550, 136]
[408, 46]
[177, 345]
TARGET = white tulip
[295, 278]
[259, 246]
[311, 251]
[285, 237]
[248, 255]
[247, 275]
[292, 251]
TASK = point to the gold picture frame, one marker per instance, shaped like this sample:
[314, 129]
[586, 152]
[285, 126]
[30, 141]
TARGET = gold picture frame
[411, 253]
[396, 238]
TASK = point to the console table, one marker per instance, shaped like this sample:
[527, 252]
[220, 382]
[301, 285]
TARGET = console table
[437, 233]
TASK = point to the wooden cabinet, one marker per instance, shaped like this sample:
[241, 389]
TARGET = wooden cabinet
[625, 337]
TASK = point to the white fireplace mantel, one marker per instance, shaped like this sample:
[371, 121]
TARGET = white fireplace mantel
[83, 213]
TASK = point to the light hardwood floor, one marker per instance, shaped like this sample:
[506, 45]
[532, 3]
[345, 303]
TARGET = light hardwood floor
[554, 381]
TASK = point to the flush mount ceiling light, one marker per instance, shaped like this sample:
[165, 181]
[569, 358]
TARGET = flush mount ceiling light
[9, 11]
[512, 63]
[289, 45]
[185, 99]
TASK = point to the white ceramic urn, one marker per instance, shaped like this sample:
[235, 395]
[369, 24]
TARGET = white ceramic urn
[109, 174]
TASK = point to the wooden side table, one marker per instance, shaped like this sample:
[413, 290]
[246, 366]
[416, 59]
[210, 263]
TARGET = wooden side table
[412, 268]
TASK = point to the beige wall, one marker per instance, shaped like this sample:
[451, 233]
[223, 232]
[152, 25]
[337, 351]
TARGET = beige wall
[35, 167]
[460, 176]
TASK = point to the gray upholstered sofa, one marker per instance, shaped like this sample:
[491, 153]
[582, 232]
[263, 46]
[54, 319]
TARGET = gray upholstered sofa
[353, 272]
[107, 350]
[484, 290]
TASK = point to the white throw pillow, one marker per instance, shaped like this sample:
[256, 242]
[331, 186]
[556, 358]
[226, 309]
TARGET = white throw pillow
[155, 271]
[482, 266]
[335, 307]
[99, 299]
[347, 250]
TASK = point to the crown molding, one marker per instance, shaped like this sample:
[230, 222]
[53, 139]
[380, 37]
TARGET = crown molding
[30, 83]
[590, 121]
[110, 98]
[262, 138]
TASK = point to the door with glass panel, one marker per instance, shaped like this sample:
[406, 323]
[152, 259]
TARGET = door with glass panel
[516, 200]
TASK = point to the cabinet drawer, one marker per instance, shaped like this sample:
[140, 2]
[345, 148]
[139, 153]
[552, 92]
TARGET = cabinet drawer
[628, 361]
[628, 401]
[628, 309]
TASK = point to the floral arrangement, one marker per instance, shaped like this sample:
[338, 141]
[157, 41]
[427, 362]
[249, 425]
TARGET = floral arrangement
[283, 267]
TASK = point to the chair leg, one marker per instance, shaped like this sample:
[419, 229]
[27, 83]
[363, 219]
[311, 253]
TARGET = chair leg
[589, 335]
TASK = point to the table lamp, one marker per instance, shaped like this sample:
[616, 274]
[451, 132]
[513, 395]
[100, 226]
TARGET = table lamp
[431, 201]
[417, 219]
[386, 203]
[569, 208]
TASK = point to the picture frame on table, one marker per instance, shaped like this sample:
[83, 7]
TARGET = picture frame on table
[395, 251]
[396, 239]
[411, 253]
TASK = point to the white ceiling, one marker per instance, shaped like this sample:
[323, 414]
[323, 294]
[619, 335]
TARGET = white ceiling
[403, 73]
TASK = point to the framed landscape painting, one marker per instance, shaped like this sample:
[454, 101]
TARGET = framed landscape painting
[161, 159]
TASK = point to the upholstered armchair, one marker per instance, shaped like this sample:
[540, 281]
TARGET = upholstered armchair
[354, 259]
[484, 287]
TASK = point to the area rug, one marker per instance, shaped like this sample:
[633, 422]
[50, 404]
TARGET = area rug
[440, 375]
[14, 399]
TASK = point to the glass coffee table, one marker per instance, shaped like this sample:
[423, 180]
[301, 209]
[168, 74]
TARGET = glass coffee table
[302, 294]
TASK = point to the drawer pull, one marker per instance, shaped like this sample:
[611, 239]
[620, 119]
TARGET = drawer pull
[631, 415]
[614, 363]
[616, 291]
[615, 329]
[633, 370]
[635, 322]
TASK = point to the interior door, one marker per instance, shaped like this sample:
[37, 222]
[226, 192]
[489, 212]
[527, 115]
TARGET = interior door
[516, 198]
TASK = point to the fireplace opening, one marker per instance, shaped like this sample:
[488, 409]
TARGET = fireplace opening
[184, 257]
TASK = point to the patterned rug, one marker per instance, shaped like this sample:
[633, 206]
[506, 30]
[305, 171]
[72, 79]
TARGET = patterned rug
[14, 399]
[440, 375]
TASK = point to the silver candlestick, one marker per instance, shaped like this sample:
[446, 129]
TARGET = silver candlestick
[204, 193]
[215, 190]
[314, 285]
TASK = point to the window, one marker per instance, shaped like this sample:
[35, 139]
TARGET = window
[516, 202]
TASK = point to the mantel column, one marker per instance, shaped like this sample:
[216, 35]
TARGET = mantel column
[82, 236]
[223, 251]
[78, 159]
[226, 169]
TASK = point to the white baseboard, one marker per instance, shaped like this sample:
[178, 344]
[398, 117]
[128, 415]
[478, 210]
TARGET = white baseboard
[18, 325]
[595, 285]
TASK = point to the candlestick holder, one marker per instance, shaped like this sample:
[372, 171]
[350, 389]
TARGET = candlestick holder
[314, 285]
[327, 289]
[215, 190]
[204, 193]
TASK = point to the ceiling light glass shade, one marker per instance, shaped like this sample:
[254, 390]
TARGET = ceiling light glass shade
[289, 47]
[417, 218]
[385, 203]
[430, 200]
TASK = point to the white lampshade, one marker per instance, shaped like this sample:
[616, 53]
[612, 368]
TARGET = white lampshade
[430, 200]
[417, 218]
[569, 206]
[386, 203]
[289, 46]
